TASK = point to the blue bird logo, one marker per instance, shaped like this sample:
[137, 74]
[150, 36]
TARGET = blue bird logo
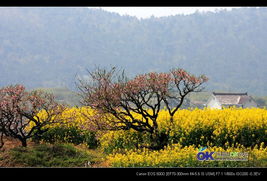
[202, 149]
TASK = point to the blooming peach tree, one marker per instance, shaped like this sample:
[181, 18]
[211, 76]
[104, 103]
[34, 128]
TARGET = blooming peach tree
[112, 93]
[18, 112]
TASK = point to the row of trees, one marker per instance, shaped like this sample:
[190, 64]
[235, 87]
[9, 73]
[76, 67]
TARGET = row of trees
[109, 92]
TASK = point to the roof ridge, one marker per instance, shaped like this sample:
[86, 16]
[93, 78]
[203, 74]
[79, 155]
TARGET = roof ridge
[223, 93]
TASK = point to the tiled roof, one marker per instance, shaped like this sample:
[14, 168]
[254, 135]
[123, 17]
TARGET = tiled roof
[232, 98]
[244, 99]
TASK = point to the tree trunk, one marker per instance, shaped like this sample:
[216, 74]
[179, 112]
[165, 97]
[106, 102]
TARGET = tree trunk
[1, 140]
[23, 142]
[158, 140]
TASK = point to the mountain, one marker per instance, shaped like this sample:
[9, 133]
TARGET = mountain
[50, 47]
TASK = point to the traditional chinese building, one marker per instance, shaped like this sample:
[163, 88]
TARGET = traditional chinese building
[220, 100]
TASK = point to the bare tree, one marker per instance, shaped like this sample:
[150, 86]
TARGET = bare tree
[111, 93]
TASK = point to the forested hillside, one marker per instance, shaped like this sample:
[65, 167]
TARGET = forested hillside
[49, 47]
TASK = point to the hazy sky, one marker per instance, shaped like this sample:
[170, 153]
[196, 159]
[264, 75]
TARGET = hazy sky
[146, 12]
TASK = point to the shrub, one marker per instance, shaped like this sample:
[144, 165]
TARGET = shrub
[44, 155]
[72, 135]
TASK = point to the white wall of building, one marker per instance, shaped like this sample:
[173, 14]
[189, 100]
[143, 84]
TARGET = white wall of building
[214, 104]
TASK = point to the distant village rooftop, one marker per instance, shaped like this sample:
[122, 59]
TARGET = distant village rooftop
[220, 100]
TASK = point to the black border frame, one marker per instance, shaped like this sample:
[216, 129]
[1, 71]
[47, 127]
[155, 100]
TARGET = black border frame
[108, 173]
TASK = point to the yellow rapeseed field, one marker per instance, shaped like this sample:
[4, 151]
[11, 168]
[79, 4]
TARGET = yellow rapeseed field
[231, 129]
[178, 156]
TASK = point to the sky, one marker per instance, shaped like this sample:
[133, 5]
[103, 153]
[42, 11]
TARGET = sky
[146, 12]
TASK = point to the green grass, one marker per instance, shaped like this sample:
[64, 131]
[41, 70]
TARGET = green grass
[45, 155]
